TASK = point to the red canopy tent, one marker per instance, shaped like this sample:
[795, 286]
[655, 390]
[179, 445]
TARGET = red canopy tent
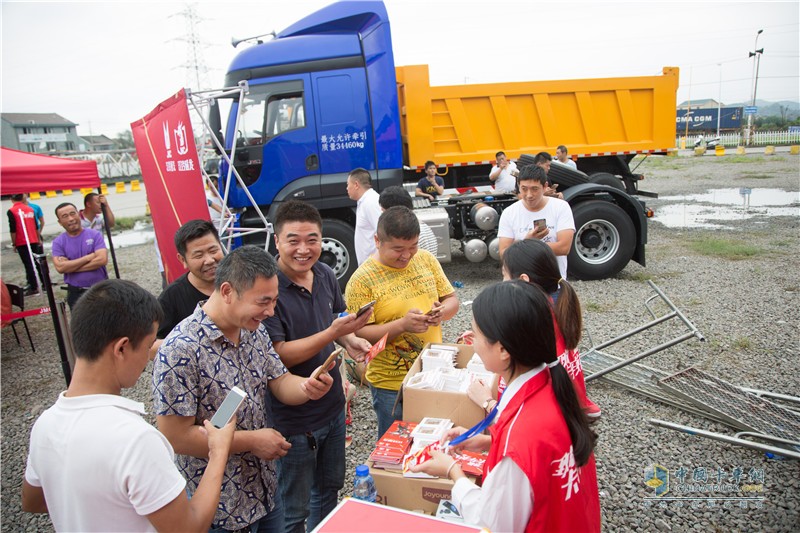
[22, 172]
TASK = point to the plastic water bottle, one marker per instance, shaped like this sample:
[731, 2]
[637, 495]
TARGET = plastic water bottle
[364, 485]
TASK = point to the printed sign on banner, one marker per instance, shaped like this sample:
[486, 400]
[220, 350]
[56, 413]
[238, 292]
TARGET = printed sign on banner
[171, 171]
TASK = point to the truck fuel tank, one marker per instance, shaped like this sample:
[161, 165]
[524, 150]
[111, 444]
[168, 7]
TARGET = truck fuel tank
[476, 250]
[484, 216]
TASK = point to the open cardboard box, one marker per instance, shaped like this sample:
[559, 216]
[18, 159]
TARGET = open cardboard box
[412, 494]
[419, 403]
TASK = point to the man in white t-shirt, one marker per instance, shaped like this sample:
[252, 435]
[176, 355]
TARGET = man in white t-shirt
[94, 464]
[504, 173]
[368, 211]
[536, 216]
[563, 157]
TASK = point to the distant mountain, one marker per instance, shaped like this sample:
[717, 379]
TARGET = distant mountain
[770, 109]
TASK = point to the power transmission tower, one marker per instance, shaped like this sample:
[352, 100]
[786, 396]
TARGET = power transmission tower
[195, 67]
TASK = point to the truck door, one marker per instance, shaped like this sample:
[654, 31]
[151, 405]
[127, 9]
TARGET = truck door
[276, 143]
[344, 130]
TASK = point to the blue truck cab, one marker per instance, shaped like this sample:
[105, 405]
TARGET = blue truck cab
[322, 101]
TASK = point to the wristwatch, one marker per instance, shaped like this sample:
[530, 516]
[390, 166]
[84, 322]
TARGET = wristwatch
[486, 403]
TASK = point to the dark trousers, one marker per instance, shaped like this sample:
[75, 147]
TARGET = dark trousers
[73, 293]
[27, 260]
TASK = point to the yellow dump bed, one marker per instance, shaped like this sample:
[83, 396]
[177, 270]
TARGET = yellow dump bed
[468, 124]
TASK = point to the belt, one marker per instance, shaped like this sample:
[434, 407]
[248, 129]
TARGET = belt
[73, 288]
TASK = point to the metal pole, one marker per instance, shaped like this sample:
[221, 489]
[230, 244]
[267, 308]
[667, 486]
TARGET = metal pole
[47, 287]
[688, 107]
[719, 100]
[758, 65]
[725, 438]
[634, 331]
[108, 233]
[664, 346]
[753, 102]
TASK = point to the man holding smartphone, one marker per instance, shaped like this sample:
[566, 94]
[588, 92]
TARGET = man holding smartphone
[221, 345]
[504, 173]
[413, 297]
[94, 463]
[303, 330]
[523, 219]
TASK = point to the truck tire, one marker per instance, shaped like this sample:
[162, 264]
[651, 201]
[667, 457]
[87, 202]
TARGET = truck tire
[338, 249]
[604, 240]
[559, 173]
[606, 178]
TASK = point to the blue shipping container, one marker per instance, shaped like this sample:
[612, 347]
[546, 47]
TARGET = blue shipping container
[706, 119]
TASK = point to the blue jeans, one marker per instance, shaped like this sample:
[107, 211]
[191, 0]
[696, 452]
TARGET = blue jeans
[310, 479]
[383, 402]
[272, 522]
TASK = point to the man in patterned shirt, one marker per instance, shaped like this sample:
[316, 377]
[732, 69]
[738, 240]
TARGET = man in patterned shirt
[413, 296]
[224, 344]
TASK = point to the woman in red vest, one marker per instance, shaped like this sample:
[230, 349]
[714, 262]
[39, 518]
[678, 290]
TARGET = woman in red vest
[534, 261]
[540, 474]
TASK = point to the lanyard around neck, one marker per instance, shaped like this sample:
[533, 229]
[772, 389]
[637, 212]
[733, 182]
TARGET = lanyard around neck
[477, 428]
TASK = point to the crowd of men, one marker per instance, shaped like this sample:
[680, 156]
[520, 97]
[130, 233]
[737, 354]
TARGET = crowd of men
[263, 324]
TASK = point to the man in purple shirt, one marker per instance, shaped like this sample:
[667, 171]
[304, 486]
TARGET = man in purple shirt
[79, 253]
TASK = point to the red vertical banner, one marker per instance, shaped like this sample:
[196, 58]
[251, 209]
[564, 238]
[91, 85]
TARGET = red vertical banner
[171, 172]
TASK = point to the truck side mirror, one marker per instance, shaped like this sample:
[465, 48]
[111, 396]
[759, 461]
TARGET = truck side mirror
[215, 122]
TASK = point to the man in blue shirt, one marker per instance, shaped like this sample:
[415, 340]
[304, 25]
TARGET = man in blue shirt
[431, 185]
[303, 330]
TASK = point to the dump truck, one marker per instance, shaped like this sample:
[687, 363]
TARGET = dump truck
[324, 97]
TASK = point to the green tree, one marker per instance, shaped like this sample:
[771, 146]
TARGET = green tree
[124, 139]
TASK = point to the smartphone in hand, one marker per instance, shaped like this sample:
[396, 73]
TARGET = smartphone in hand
[366, 307]
[229, 407]
[324, 367]
[540, 224]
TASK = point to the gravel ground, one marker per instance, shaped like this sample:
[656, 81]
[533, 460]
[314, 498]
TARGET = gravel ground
[747, 309]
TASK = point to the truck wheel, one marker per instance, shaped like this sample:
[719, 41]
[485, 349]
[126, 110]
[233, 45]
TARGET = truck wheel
[338, 249]
[605, 178]
[604, 240]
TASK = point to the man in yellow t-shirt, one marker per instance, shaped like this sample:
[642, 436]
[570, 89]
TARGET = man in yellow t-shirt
[412, 297]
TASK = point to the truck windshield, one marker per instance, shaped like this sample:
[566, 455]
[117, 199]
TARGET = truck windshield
[266, 114]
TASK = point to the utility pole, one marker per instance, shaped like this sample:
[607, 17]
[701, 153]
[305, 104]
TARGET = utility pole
[719, 99]
[756, 55]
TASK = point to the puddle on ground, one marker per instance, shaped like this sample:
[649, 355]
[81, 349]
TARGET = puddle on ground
[712, 208]
[140, 234]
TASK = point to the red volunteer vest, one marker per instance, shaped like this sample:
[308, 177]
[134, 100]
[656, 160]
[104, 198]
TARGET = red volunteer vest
[532, 432]
[28, 219]
[571, 361]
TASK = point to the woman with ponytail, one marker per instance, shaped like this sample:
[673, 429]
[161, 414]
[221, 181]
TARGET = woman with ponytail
[534, 261]
[540, 474]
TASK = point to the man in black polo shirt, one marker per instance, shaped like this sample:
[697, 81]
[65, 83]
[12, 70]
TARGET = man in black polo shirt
[200, 251]
[302, 331]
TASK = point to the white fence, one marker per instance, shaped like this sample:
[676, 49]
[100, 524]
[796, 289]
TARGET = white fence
[112, 165]
[760, 138]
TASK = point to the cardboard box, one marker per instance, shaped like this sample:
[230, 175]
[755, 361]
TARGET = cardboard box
[413, 494]
[419, 403]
